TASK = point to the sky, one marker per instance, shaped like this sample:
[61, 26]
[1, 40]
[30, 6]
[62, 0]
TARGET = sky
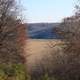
[36, 11]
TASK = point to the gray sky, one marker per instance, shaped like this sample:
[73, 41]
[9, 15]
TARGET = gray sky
[47, 10]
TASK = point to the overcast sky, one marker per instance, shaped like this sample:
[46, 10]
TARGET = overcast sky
[47, 10]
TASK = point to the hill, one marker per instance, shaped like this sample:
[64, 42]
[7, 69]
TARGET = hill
[42, 30]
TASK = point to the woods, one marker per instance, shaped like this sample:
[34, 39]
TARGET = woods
[9, 24]
[12, 61]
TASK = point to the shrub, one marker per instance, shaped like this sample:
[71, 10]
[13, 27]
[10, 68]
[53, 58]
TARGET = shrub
[12, 72]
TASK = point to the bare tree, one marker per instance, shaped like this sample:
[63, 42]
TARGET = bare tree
[10, 48]
[70, 31]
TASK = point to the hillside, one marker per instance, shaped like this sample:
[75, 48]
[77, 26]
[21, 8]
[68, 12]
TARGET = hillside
[42, 30]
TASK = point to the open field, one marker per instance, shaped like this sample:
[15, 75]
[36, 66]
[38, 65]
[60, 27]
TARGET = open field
[36, 48]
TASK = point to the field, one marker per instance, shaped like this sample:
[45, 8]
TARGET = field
[37, 48]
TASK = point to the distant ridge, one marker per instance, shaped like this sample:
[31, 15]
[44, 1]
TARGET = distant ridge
[42, 30]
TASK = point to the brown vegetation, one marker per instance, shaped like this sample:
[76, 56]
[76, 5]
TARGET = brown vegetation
[70, 31]
[10, 34]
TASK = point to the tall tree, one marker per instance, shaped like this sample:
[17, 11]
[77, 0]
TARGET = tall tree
[70, 32]
[10, 49]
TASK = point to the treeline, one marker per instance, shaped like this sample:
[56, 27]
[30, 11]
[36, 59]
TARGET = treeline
[11, 49]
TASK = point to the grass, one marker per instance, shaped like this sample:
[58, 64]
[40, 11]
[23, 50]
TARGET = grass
[12, 72]
[17, 72]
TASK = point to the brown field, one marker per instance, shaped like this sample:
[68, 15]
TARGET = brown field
[36, 48]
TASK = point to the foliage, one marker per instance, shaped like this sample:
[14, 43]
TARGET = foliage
[47, 77]
[12, 72]
[10, 49]
[70, 31]
[17, 72]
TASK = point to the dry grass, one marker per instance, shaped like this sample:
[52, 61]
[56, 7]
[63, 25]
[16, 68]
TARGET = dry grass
[36, 48]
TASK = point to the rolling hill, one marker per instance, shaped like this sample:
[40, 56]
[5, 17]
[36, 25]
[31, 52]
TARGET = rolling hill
[42, 30]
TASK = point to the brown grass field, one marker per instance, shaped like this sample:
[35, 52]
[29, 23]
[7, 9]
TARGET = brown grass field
[37, 48]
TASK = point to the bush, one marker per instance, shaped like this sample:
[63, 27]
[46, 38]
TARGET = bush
[12, 72]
